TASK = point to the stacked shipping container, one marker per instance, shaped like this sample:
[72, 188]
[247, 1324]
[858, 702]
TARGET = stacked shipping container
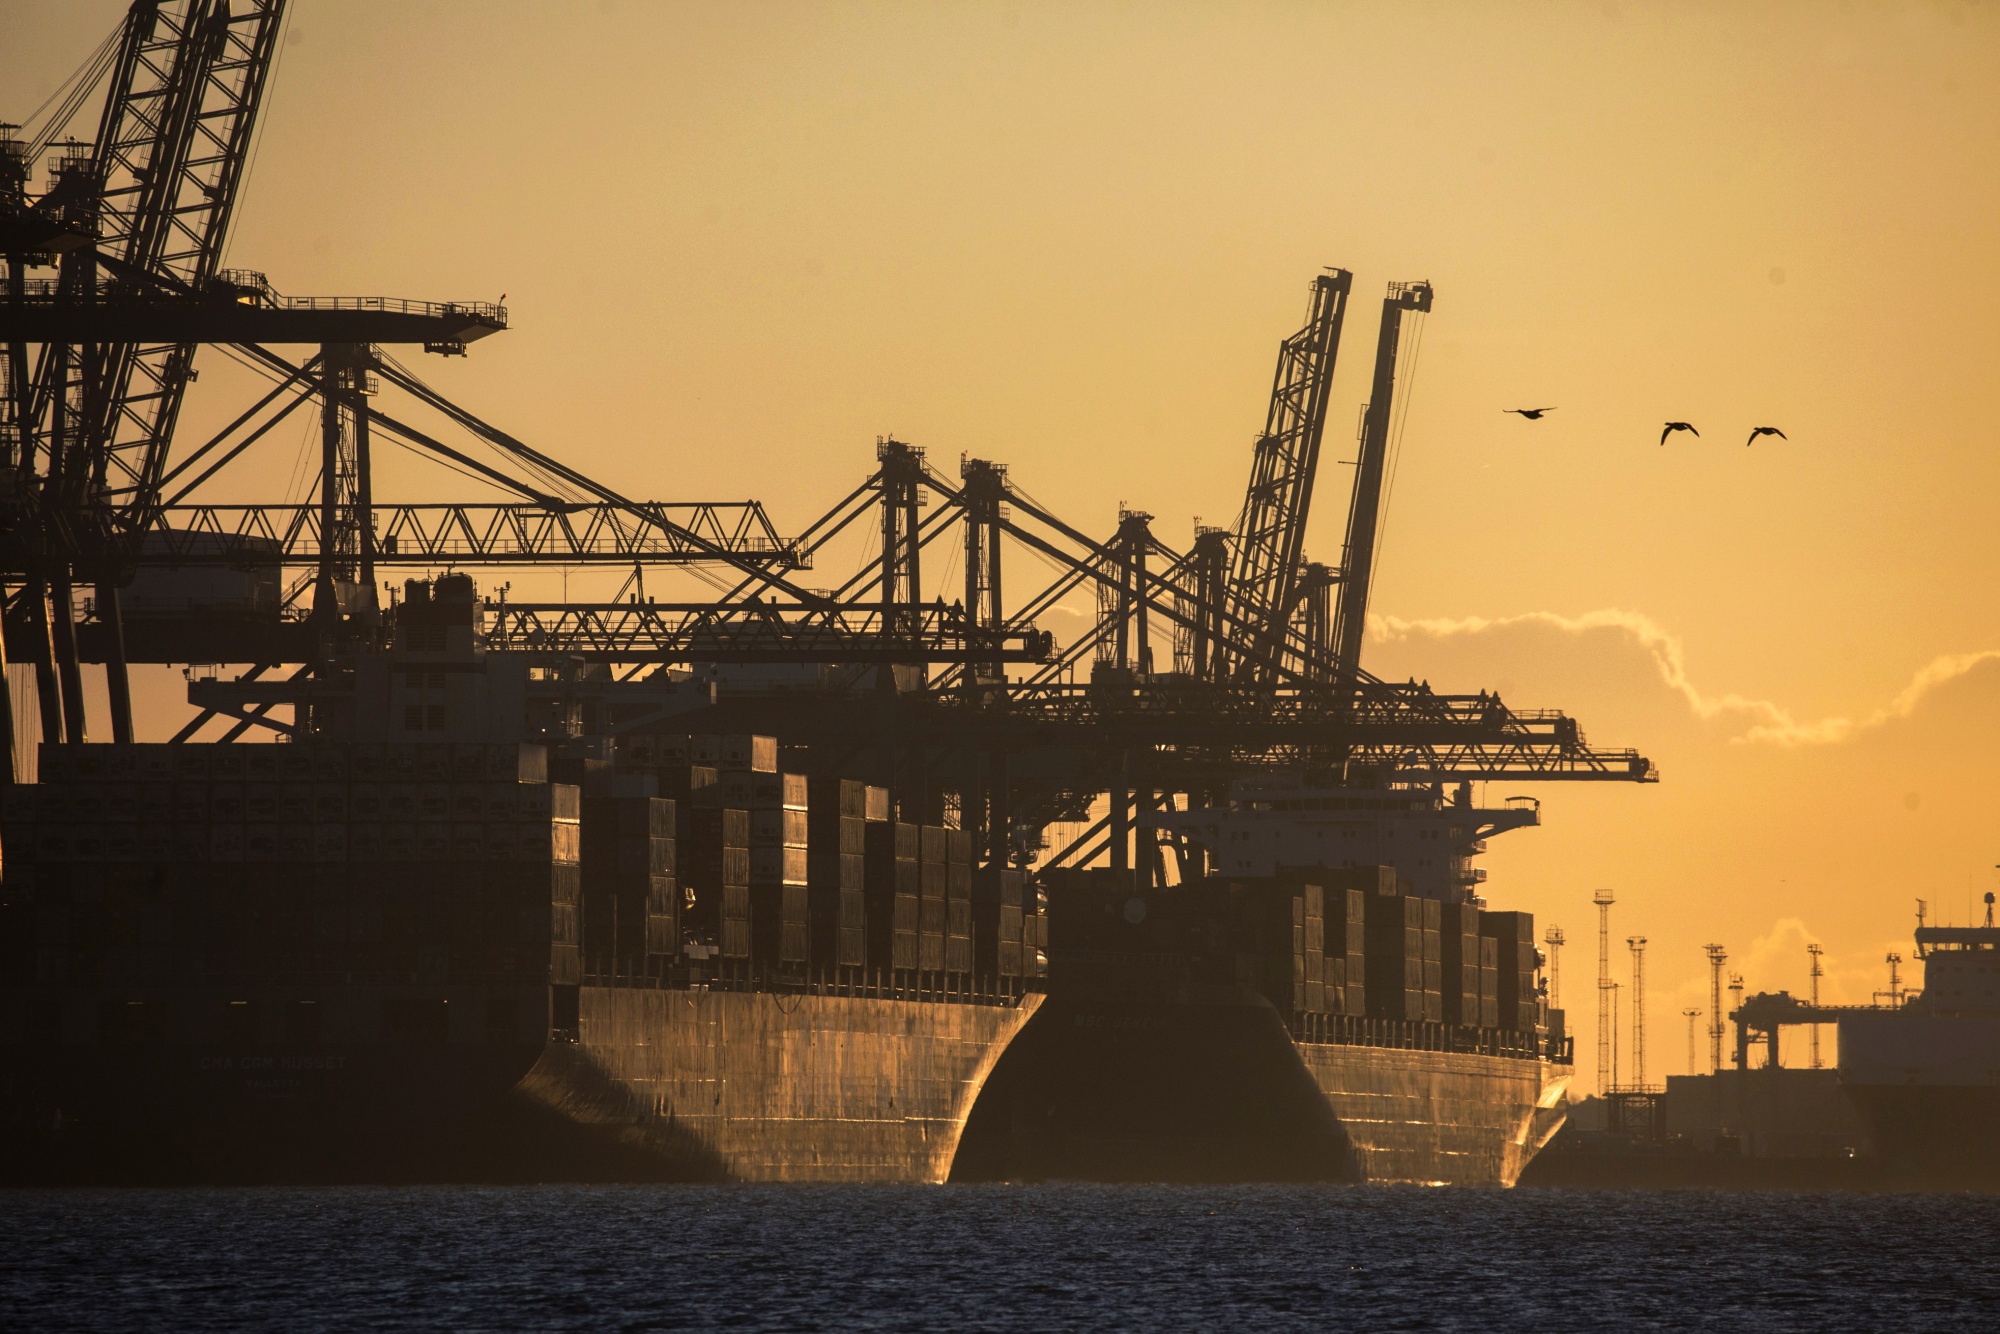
[1459, 940]
[998, 922]
[395, 859]
[631, 911]
[931, 899]
[837, 869]
[958, 902]
[1513, 936]
[423, 859]
[1318, 942]
[779, 823]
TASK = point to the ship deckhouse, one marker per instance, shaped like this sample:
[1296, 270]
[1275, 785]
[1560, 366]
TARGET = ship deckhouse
[1282, 821]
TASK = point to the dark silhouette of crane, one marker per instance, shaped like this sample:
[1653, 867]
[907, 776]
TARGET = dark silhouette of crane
[151, 196]
[1269, 539]
[97, 361]
[1027, 747]
[1364, 512]
[1285, 603]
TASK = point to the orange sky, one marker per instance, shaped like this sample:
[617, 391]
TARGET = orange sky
[741, 242]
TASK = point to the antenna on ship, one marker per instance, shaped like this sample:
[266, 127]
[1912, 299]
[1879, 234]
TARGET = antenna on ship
[1989, 904]
[1815, 951]
[1715, 958]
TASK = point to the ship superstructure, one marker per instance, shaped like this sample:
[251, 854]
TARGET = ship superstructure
[1926, 1072]
[1429, 838]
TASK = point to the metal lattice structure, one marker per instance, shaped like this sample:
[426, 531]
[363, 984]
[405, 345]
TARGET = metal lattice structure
[1269, 539]
[1357, 564]
[171, 149]
[972, 694]
[135, 223]
[469, 533]
[756, 632]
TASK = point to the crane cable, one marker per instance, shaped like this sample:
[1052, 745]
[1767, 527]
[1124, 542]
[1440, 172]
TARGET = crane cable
[271, 80]
[1401, 410]
[72, 92]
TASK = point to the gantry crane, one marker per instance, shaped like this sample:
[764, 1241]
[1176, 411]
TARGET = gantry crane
[1043, 744]
[1268, 545]
[1357, 565]
[87, 425]
[98, 359]
[971, 696]
[1286, 600]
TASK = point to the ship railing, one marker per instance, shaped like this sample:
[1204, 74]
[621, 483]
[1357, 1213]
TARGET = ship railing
[853, 983]
[1353, 1030]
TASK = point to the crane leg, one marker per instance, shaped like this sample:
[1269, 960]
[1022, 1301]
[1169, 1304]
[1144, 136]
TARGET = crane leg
[48, 695]
[7, 729]
[117, 680]
[69, 668]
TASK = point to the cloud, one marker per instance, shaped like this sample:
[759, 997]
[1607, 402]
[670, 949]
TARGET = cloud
[1769, 722]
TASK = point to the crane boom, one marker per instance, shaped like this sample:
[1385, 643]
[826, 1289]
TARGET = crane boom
[1270, 532]
[171, 152]
[1365, 512]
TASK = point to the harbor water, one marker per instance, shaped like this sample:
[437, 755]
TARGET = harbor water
[994, 1257]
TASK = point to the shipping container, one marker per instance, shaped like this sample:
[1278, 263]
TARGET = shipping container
[748, 754]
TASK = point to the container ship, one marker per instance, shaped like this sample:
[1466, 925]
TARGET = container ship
[1365, 1020]
[355, 961]
[1926, 1073]
[1909, 1104]
[327, 961]
[391, 950]
[754, 886]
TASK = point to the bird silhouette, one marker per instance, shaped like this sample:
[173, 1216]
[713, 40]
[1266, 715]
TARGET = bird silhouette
[1678, 426]
[1532, 414]
[1763, 430]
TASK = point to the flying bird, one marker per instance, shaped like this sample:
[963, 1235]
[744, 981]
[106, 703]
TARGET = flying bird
[1763, 430]
[1532, 414]
[1678, 426]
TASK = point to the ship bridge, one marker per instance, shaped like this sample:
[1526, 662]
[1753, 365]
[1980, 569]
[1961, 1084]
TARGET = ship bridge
[1276, 821]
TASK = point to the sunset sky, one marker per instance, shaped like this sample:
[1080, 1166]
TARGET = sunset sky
[739, 243]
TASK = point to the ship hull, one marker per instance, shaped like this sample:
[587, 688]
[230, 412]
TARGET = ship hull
[654, 1085]
[1928, 1086]
[1215, 1089]
[1936, 1136]
[1439, 1118]
[751, 1086]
